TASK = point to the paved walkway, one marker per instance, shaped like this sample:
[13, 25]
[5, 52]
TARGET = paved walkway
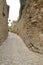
[14, 52]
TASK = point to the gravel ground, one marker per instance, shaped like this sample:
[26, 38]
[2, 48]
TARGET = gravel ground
[14, 52]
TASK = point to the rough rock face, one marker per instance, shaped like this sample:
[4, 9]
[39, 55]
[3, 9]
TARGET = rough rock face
[14, 27]
[3, 20]
[30, 27]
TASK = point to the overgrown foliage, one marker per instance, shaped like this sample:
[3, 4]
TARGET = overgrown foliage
[10, 29]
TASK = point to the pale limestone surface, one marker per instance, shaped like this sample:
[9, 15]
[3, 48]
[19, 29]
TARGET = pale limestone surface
[30, 26]
[14, 52]
[3, 20]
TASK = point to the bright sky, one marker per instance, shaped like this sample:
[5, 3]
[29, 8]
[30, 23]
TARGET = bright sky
[14, 10]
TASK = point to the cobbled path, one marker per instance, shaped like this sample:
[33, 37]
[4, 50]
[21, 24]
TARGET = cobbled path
[14, 52]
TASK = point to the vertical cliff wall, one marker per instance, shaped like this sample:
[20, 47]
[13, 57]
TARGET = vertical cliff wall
[30, 26]
[3, 20]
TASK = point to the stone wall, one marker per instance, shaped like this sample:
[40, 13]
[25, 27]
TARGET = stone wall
[30, 26]
[3, 20]
[14, 27]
